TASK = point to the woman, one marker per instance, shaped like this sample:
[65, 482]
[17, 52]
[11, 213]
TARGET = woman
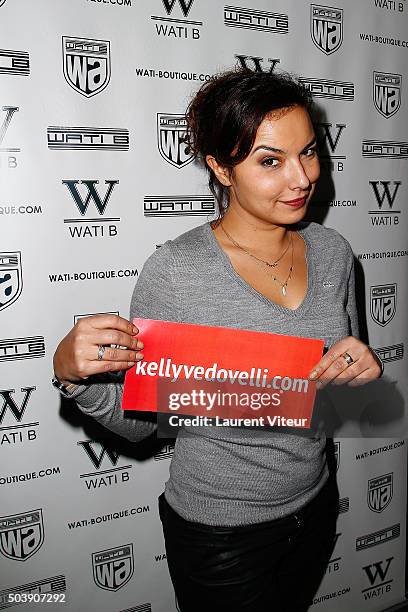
[248, 515]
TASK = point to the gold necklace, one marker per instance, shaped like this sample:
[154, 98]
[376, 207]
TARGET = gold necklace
[267, 263]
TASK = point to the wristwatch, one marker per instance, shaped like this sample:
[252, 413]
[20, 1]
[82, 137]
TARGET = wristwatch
[61, 387]
[381, 363]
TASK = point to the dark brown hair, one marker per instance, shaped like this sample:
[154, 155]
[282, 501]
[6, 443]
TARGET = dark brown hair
[225, 113]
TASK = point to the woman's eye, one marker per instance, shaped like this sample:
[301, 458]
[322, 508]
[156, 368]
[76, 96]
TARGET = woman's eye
[311, 152]
[270, 162]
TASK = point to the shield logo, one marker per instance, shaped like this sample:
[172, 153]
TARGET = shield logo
[326, 27]
[387, 93]
[11, 278]
[337, 454]
[113, 567]
[21, 535]
[379, 493]
[383, 303]
[87, 64]
[171, 134]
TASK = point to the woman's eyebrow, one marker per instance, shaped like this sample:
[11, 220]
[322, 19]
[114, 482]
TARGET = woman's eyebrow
[274, 150]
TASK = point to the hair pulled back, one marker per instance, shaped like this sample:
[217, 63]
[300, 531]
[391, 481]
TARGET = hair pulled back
[225, 113]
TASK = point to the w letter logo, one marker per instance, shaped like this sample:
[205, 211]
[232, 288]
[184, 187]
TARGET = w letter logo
[91, 195]
[185, 6]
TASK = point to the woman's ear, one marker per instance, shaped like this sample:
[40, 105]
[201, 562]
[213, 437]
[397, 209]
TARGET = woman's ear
[222, 174]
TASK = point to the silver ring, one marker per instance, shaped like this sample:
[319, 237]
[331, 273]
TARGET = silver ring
[101, 352]
[348, 358]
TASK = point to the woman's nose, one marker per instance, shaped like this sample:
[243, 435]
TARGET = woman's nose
[298, 177]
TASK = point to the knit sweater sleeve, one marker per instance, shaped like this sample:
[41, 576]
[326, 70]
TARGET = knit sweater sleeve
[153, 298]
[351, 297]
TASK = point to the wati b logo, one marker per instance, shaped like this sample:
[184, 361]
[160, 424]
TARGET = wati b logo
[7, 153]
[144, 607]
[11, 278]
[379, 492]
[101, 456]
[257, 64]
[83, 193]
[178, 206]
[113, 567]
[176, 24]
[387, 93]
[166, 452]
[16, 408]
[326, 24]
[325, 88]
[385, 196]
[185, 6]
[383, 303]
[10, 404]
[377, 574]
[21, 535]
[329, 137]
[171, 135]
[254, 19]
[14, 62]
[378, 537]
[87, 67]
[334, 563]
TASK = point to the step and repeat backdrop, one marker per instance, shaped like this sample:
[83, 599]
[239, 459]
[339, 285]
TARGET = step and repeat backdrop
[94, 176]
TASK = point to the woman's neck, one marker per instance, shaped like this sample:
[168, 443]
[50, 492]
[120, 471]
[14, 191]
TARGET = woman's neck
[255, 234]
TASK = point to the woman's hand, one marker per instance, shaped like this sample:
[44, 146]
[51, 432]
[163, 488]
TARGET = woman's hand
[348, 361]
[76, 356]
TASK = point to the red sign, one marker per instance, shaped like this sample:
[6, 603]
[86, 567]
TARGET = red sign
[188, 369]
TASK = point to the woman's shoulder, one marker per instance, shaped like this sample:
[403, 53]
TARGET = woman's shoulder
[187, 245]
[193, 239]
[323, 237]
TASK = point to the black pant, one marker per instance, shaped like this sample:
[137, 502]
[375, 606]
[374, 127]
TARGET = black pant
[274, 566]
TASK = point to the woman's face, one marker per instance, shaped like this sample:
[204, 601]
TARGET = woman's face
[282, 166]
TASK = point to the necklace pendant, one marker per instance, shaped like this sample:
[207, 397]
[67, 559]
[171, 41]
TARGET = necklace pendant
[283, 290]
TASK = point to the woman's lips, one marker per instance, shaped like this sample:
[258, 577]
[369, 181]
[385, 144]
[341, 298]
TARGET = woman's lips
[295, 203]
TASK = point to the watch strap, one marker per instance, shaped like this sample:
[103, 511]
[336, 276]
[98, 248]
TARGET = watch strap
[66, 389]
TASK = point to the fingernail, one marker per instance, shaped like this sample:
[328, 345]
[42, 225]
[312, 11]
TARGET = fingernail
[131, 363]
[140, 344]
[312, 374]
[139, 356]
[135, 329]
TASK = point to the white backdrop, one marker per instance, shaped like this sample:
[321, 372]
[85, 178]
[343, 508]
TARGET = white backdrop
[93, 178]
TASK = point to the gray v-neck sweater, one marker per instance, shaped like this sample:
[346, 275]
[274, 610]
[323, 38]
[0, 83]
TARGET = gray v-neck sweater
[223, 475]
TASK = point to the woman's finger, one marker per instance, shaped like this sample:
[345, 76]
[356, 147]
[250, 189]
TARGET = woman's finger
[351, 373]
[101, 367]
[107, 337]
[337, 368]
[345, 360]
[108, 321]
[112, 354]
[335, 352]
[118, 338]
